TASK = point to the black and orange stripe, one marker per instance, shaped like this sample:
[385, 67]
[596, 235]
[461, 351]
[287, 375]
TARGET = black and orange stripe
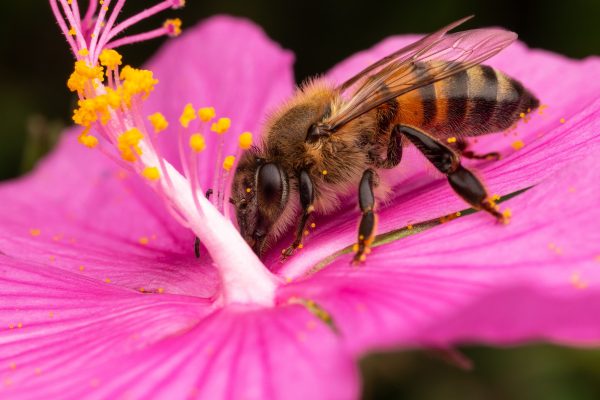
[471, 102]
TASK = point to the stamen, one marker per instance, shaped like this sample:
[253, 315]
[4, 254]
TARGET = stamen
[110, 103]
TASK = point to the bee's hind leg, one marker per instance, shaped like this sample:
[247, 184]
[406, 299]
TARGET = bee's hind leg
[463, 181]
[463, 148]
[307, 198]
[368, 220]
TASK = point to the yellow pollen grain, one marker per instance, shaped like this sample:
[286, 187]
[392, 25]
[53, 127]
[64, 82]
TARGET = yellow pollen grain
[128, 144]
[228, 163]
[107, 280]
[72, 31]
[173, 27]
[51, 314]
[35, 232]
[81, 268]
[562, 120]
[313, 225]
[409, 227]
[11, 326]
[144, 240]
[111, 59]
[188, 115]
[20, 325]
[221, 126]
[577, 282]
[522, 115]
[88, 141]
[206, 113]
[151, 173]
[38, 371]
[248, 190]
[517, 144]
[324, 172]
[83, 52]
[158, 121]
[142, 290]
[197, 142]
[301, 246]
[451, 140]
[306, 233]
[245, 140]
[12, 366]
[160, 290]
[571, 189]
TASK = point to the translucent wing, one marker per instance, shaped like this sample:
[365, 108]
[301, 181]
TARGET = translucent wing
[433, 58]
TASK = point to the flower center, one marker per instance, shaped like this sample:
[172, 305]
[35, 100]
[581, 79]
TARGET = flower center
[110, 111]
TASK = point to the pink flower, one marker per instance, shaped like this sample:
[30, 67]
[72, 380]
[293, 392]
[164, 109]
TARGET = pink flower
[102, 296]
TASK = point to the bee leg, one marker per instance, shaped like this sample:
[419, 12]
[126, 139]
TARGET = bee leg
[463, 181]
[366, 228]
[394, 151]
[463, 148]
[197, 240]
[307, 198]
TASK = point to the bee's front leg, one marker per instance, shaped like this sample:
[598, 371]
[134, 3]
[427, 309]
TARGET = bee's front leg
[368, 220]
[463, 181]
[307, 198]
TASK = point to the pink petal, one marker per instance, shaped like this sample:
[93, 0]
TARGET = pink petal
[469, 281]
[88, 213]
[72, 337]
[421, 194]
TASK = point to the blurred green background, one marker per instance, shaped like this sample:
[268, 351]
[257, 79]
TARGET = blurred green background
[35, 106]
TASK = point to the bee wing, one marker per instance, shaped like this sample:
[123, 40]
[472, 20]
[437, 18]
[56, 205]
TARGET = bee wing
[412, 67]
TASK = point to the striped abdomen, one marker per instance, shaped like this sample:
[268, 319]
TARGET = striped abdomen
[472, 102]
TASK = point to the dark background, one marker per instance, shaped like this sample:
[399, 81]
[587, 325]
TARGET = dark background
[35, 106]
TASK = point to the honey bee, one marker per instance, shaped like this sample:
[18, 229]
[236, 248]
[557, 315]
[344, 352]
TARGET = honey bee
[328, 141]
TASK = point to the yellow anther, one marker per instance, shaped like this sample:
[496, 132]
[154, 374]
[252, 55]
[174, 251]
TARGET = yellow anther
[158, 121]
[144, 240]
[35, 232]
[136, 81]
[72, 31]
[206, 113]
[221, 126]
[111, 59]
[83, 52]
[88, 140]
[197, 142]
[177, 3]
[245, 140]
[228, 163]
[188, 115]
[151, 173]
[451, 140]
[173, 27]
[517, 144]
[128, 144]
[82, 74]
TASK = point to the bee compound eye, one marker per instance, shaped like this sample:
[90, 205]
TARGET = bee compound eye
[269, 184]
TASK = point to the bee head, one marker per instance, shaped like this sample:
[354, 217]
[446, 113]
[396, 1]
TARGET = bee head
[259, 194]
